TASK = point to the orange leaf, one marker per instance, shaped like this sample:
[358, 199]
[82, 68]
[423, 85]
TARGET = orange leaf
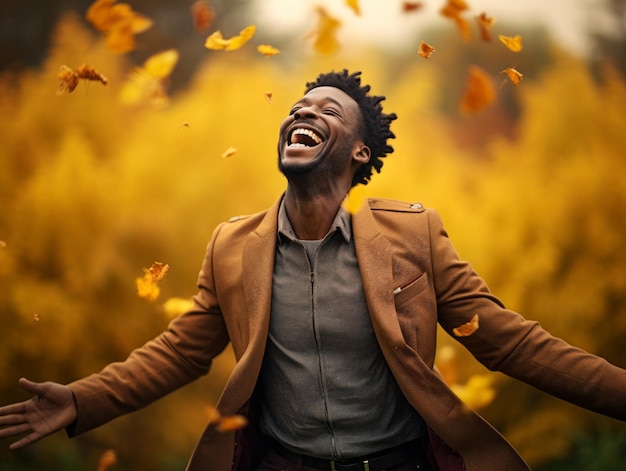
[119, 22]
[408, 7]
[468, 328]
[513, 75]
[107, 459]
[36, 317]
[226, 423]
[354, 5]
[479, 91]
[217, 42]
[70, 78]
[202, 15]
[267, 50]
[514, 43]
[268, 97]
[425, 50]
[158, 270]
[485, 23]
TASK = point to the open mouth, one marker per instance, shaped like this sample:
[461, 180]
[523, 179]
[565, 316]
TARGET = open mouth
[302, 137]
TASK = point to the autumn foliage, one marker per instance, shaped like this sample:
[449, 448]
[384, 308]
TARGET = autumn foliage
[98, 184]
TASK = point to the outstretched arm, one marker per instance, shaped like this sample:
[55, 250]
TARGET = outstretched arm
[51, 409]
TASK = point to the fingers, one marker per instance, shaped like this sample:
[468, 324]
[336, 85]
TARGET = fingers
[15, 430]
[30, 386]
[25, 441]
[11, 419]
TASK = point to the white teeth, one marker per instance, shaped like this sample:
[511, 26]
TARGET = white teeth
[308, 132]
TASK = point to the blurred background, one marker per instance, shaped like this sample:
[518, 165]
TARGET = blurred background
[98, 183]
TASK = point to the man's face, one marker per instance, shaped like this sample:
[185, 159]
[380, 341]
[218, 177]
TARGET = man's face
[319, 133]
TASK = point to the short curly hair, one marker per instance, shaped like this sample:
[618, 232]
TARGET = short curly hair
[376, 124]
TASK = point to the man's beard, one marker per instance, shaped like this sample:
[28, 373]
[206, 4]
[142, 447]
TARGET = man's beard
[332, 167]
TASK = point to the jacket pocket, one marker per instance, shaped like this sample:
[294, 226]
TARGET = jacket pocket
[407, 291]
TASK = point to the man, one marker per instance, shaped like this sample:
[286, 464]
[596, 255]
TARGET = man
[332, 318]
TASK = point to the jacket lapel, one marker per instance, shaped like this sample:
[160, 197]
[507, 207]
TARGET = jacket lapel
[481, 446]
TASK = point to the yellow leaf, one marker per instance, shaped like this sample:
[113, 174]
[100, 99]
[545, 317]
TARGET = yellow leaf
[229, 152]
[425, 50]
[162, 64]
[217, 42]
[147, 287]
[513, 75]
[174, 307]
[479, 91]
[147, 83]
[514, 43]
[354, 5]
[268, 97]
[267, 50]
[326, 37]
[468, 328]
[477, 393]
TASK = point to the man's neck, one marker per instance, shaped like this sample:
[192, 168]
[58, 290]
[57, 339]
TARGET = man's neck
[312, 215]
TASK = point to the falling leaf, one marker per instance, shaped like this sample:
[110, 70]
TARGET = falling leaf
[3, 244]
[514, 43]
[217, 42]
[453, 10]
[202, 15]
[268, 97]
[477, 393]
[229, 152]
[468, 328]
[184, 125]
[408, 7]
[158, 270]
[107, 459]
[267, 50]
[70, 78]
[36, 317]
[425, 50]
[147, 288]
[326, 33]
[147, 83]
[354, 5]
[174, 307]
[479, 91]
[513, 75]
[485, 23]
[226, 423]
[119, 23]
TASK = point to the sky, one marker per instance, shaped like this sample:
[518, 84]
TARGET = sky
[568, 21]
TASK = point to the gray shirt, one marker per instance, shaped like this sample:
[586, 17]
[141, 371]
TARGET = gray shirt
[328, 391]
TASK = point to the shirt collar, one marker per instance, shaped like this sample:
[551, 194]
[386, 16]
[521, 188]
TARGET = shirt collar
[342, 222]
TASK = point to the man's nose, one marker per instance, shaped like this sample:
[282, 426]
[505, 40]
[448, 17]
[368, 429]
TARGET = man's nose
[305, 112]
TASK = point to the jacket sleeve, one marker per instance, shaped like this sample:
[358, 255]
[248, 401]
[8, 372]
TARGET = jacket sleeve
[520, 348]
[179, 355]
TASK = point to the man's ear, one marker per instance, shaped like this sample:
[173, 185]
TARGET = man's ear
[362, 154]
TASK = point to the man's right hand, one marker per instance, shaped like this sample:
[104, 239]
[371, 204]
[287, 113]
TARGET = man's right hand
[51, 409]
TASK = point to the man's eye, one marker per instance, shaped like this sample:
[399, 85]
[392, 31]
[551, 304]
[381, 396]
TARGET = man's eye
[293, 110]
[331, 111]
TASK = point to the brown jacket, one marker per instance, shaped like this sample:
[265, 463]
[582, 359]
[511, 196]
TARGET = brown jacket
[397, 245]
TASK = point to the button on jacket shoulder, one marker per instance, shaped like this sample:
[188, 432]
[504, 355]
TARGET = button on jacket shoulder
[413, 279]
